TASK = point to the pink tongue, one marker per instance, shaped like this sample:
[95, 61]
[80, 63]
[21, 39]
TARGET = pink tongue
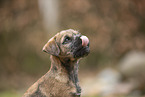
[85, 40]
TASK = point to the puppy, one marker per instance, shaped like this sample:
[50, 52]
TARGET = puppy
[65, 48]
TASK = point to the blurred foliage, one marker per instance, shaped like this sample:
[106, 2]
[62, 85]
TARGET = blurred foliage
[20, 37]
[113, 27]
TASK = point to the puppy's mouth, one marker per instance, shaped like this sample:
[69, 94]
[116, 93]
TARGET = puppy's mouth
[81, 47]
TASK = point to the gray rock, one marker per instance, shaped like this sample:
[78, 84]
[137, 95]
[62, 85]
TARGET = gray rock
[103, 84]
[133, 65]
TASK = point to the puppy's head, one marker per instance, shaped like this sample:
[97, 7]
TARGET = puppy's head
[68, 43]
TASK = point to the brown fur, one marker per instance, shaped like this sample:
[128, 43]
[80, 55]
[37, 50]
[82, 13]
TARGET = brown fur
[62, 78]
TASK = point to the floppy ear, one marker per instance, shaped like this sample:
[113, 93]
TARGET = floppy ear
[51, 47]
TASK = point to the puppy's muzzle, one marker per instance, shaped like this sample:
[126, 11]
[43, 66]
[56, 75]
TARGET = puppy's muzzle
[81, 47]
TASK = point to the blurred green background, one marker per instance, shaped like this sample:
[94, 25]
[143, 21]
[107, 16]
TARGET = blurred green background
[114, 27]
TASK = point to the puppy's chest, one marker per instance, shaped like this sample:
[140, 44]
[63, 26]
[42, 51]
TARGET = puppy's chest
[55, 88]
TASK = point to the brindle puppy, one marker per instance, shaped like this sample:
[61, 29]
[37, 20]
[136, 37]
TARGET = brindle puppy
[66, 48]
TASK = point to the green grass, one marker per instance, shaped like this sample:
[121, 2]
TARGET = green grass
[90, 96]
[9, 94]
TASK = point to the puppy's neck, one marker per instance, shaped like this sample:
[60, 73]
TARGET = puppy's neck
[64, 63]
[68, 67]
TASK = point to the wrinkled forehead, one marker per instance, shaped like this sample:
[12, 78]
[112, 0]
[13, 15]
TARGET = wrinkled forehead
[68, 33]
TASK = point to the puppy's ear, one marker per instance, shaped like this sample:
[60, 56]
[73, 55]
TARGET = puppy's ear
[51, 47]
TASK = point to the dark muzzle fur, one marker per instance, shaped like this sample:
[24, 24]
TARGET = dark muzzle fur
[79, 50]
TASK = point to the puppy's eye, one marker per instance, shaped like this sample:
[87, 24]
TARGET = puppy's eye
[66, 40]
